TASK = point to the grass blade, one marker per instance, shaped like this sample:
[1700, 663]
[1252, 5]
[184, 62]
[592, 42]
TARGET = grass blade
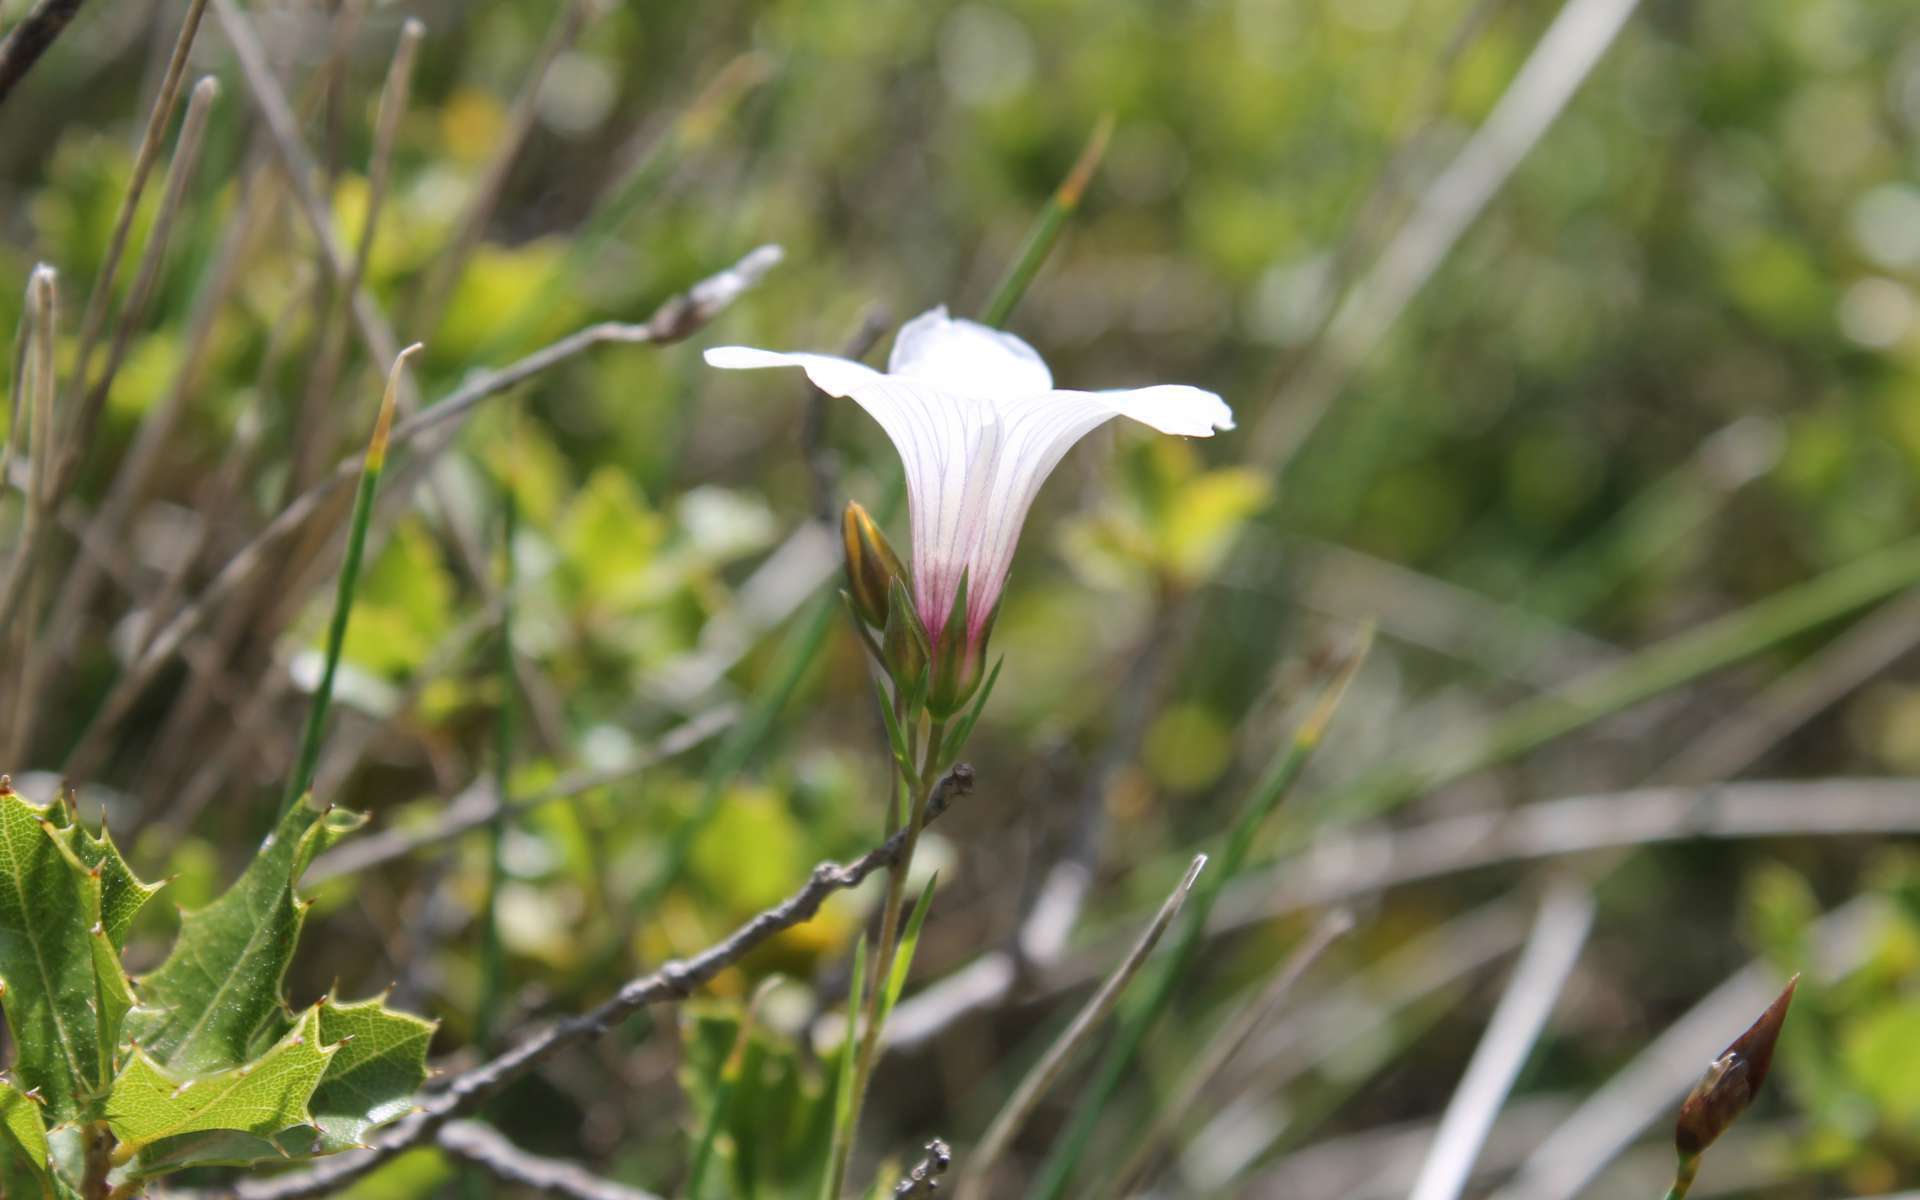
[1044, 1072]
[849, 1054]
[1046, 230]
[371, 468]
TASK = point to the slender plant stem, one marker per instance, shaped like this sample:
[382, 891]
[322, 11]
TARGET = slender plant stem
[1046, 230]
[375, 462]
[845, 1136]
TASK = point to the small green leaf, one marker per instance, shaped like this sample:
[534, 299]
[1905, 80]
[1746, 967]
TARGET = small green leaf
[950, 749]
[265, 1097]
[49, 970]
[208, 1003]
[903, 958]
[23, 1145]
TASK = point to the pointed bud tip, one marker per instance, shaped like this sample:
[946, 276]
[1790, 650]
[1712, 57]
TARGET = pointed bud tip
[1733, 1079]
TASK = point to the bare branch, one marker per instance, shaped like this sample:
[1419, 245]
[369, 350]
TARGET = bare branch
[484, 1146]
[672, 982]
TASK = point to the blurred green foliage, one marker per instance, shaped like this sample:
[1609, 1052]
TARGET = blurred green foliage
[1675, 368]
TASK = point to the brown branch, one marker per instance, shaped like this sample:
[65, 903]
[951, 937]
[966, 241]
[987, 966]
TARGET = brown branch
[28, 40]
[484, 1146]
[672, 982]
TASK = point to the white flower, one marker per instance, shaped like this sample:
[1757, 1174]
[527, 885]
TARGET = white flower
[979, 427]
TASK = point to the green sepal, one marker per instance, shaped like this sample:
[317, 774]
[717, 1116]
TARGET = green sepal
[956, 740]
[905, 648]
[896, 737]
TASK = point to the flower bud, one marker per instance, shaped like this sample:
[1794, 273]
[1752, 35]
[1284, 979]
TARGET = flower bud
[959, 660]
[872, 566]
[1732, 1082]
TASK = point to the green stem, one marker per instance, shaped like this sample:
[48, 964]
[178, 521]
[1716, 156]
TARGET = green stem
[1046, 230]
[875, 1009]
[1683, 1178]
[373, 465]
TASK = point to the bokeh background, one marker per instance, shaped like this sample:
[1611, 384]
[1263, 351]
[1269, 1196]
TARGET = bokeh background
[1668, 381]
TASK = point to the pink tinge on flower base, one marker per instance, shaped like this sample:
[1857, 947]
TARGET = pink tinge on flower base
[979, 427]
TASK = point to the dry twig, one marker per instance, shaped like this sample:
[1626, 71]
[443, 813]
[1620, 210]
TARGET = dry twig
[484, 1146]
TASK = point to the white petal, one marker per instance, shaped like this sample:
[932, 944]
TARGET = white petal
[1039, 433]
[834, 376]
[1168, 407]
[948, 445]
[967, 357]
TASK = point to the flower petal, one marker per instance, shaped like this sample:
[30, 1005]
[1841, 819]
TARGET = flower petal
[967, 357]
[1039, 433]
[948, 445]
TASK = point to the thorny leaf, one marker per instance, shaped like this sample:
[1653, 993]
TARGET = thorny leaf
[265, 1097]
[61, 982]
[218, 991]
[23, 1145]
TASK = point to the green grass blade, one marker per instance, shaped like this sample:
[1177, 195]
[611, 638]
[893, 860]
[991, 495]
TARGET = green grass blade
[849, 1054]
[1046, 230]
[376, 461]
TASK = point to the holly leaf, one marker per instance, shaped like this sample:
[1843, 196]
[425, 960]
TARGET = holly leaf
[219, 989]
[381, 1063]
[60, 981]
[23, 1145]
[263, 1098]
[122, 893]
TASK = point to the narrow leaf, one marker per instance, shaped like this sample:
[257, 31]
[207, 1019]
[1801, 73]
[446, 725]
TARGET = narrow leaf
[903, 960]
[849, 1051]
